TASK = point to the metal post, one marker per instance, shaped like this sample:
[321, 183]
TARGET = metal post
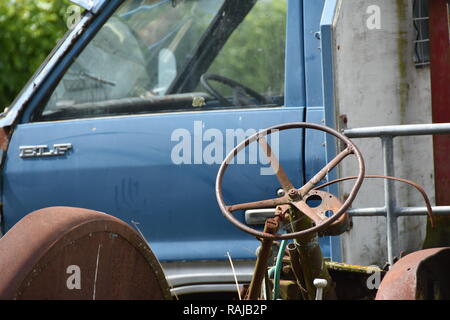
[389, 198]
[387, 134]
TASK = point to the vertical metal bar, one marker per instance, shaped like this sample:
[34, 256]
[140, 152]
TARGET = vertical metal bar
[389, 198]
[254, 290]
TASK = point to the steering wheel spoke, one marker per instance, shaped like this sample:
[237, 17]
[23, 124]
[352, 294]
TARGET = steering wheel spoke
[269, 203]
[325, 170]
[282, 177]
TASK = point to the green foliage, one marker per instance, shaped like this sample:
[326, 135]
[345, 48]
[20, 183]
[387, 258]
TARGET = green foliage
[254, 55]
[29, 29]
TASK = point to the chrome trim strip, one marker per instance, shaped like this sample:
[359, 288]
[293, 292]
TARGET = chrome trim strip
[180, 274]
[204, 288]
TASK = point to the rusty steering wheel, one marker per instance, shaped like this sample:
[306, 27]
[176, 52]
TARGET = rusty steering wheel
[294, 197]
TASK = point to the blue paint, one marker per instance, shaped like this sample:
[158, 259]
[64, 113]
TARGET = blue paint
[320, 148]
[312, 11]
[295, 62]
[326, 44]
[123, 166]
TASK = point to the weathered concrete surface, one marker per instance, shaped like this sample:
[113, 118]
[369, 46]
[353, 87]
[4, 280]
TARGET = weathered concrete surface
[378, 84]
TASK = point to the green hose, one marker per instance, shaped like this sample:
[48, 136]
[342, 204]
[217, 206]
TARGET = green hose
[277, 271]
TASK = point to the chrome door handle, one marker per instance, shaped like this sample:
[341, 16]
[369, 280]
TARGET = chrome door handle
[258, 216]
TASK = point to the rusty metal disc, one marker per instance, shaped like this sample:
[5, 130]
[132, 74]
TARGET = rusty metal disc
[73, 253]
[421, 275]
[329, 203]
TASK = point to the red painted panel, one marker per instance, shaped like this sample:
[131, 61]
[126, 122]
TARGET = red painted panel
[440, 91]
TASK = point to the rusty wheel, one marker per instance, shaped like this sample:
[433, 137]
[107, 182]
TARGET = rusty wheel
[72, 253]
[294, 197]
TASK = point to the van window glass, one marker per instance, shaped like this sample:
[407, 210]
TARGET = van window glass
[177, 55]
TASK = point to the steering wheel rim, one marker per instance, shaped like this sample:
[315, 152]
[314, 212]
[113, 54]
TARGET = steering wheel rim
[285, 199]
[206, 77]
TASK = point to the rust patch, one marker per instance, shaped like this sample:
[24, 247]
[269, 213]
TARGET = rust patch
[420, 275]
[4, 138]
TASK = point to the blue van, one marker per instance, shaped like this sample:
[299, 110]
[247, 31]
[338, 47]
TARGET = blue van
[138, 105]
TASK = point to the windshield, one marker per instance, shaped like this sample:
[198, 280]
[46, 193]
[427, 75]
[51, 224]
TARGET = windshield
[174, 55]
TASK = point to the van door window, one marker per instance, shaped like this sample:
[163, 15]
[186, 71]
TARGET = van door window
[177, 55]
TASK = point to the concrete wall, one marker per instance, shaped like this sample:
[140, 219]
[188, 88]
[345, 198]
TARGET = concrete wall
[376, 83]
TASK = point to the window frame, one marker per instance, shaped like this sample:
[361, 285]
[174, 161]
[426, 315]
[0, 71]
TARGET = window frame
[204, 55]
[422, 40]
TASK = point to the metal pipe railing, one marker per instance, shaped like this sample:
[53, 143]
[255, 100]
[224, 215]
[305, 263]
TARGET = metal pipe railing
[390, 210]
[399, 211]
[399, 130]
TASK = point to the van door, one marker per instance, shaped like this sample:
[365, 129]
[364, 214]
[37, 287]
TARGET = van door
[140, 121]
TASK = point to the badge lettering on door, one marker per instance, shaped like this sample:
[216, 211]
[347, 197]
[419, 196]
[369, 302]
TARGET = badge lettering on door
[44, 151]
